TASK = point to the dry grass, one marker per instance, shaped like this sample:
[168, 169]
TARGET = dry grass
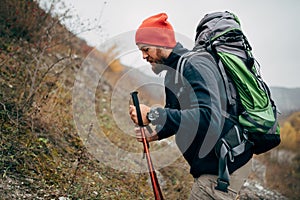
[41, 153]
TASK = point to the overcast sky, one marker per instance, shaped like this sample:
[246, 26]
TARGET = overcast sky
[272, 27]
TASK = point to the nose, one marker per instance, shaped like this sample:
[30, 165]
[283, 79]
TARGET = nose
[145, 55]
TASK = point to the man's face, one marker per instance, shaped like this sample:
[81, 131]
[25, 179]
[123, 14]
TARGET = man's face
[154, 56]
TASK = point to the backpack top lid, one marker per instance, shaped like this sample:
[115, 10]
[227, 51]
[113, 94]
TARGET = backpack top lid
[222, 30]
[213, 25]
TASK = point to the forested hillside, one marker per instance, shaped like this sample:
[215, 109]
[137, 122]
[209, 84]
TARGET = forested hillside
[287, 100]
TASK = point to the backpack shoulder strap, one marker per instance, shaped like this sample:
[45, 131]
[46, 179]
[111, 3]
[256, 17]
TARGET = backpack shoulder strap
[180, 65]
[185, 57]
[230, 92]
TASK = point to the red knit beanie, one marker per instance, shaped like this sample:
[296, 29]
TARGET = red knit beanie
[157, 31]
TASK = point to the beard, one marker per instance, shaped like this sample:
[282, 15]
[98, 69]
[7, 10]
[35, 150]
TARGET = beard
[158, 65]
[157, 68]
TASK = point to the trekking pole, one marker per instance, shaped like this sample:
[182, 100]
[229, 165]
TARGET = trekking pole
[155, 185]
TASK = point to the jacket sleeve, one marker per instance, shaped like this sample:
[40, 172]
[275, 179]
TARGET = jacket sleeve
[202, 119]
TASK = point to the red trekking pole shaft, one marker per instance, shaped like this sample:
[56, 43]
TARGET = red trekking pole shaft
[155, 185]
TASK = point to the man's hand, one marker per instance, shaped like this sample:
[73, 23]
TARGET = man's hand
[149, 136]
[144, 110]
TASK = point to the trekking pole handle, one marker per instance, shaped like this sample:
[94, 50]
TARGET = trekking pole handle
[137, 107]
[136, 103]
[138, 111]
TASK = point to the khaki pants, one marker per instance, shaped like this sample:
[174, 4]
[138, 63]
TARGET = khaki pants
[204, 186]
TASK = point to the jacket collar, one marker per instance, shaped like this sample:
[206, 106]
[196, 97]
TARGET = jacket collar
[174, 56]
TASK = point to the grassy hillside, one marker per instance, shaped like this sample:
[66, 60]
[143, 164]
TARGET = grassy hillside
[41, 153]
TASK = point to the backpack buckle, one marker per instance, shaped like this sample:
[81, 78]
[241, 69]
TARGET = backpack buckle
[222, 185]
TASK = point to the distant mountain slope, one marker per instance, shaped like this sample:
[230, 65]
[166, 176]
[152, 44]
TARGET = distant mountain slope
[287, 99]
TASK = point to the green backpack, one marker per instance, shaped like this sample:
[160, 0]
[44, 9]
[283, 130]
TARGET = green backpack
[220, 34]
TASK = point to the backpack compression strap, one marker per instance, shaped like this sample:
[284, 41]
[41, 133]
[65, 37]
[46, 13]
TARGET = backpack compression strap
[227, 152]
